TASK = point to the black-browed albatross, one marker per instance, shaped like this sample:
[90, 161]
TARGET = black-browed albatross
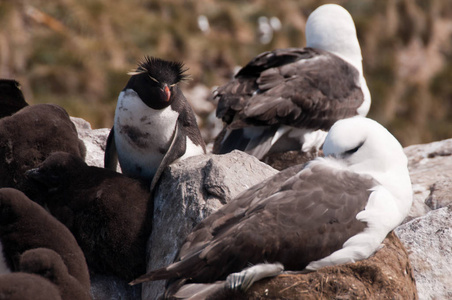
[330, 211]
[287, 99]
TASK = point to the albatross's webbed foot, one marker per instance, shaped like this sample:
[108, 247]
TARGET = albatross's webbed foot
[245, 279]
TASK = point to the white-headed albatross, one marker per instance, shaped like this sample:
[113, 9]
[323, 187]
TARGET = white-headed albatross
[287, 99]
[330, 211]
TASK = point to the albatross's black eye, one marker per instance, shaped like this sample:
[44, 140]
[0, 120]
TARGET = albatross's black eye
[351, 151]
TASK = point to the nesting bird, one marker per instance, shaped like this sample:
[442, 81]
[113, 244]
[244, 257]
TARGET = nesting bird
[288, 99]
[25, 225]
[154, 124]
[49, 264]
[28, 136]
[109, 214]
[41, 274]
[333, 210]
[26, 286]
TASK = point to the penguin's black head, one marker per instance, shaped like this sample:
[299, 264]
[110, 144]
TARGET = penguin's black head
[155, 81]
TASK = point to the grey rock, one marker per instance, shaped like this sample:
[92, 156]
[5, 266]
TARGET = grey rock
[428, 241]
[440, 194]
[430, 168]
[95, 141]
[110, 287]
[189, 191]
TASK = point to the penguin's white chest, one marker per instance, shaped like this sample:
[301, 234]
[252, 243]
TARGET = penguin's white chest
[142, 134]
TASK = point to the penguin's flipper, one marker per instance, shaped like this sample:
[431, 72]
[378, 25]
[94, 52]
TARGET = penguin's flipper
[176, 149]
[111, 155]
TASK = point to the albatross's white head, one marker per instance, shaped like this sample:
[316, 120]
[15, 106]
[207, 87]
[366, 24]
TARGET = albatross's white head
[366, 147]
[331, 28]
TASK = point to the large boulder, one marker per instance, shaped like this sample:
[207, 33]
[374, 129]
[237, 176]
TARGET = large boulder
[428, 236]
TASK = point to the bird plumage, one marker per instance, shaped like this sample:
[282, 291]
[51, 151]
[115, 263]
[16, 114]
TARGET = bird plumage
[26, 225]
[26, 286]
[109, 214]
[292, 96]
[50, 265]
[41, 274]
[286, 99]
[29, 136]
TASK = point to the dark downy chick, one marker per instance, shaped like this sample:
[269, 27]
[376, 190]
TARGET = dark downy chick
[109, 213]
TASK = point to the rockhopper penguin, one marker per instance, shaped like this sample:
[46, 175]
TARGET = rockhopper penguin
[154, 124]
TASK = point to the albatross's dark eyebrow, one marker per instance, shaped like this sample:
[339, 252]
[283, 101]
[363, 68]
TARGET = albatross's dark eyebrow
[353, 150]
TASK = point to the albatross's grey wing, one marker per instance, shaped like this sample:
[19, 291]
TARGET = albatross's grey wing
[307, 88]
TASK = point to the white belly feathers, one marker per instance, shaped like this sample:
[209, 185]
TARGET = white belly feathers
[142, 134]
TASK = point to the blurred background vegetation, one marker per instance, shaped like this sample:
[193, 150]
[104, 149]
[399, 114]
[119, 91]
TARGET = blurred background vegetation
[76, 52]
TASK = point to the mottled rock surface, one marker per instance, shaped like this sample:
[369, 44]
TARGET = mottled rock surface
[428, 240]
[95, 141]
[430, 168]
[111, 287]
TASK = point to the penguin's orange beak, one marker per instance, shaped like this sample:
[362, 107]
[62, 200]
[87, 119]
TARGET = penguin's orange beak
[167, 92]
